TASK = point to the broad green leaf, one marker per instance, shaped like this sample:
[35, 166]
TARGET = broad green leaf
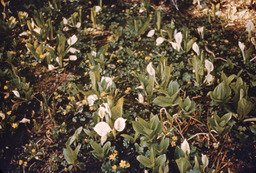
[183, 164]
[117, 110]
[162, 101]
[190, 43]
[244, 107]
[145, 161]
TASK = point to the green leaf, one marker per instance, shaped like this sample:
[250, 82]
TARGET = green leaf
[130, 138]
[244, 107]
[117, 110]
[145, 161]
[183, 164]
[190, 43]
[173, 88]
[162, 101]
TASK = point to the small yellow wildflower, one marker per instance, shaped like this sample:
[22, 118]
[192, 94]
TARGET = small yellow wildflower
[90, 85]
[112, 157]
[106, 54]
[9, 112]
[102, 94]
[122, 164]
[174, 138]
[60, 130]
[22, 62]
[33, 150]
[188, 82]
[66, 169]
[138, 70]
[205, 70]
[147, 58]
[85, 73]
[20, 51]
[87, 61]
[114, 167]
[90, 108]
[90, 2]
[135, 54]
[20, 162]
[28, 52]
[55, 93]
[173, 144]
[133, 72]
[69, 85]
[157, 86]
[141, 54]
[128, 165]
[121, 48]
[63, 123]
[115, 151]
[25, 163]
[120, 60]
[123, 11]
[64, 112]
[68, 107]
[5, 87]
[14, 125]
[86, 140]
[87, 16]
[150, 54]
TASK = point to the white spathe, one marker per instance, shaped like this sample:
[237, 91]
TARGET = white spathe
[72, 57]
[185, 147]
[65, 21]
[208, 79]
[178, 37]
[195, 48]
[159, 41]
[97, 8]
[16, 93]
[209, 66]
[73, 50]
[94, 53]
[176, 46]
[108, 80]
[91, 99]
[150, 69]
[249, 26]
[205, 160]
[151, 33]
[200, 31]
[242, 46]
[24, 120]
[140, 98]
[119, 124]
[102, 128]
[51, 67]
[78, 25]
[101, 112]
[107, 109]
[72, 40]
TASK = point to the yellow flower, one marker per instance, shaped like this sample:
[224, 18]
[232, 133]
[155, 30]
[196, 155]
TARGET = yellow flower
[128, 165]
[14, 125]
[173, 144]
[85, 73]
[135, 53]
[69, 85]
[106, 54]
[122, 164]
[33, 150]
[102, 94]
[90, 2]
[115, 151]
[120, 60]
[22, 62]
[5, 87]
[66, 169]
[112, 156]
[114, 167]
[157, 86]
[90, 85]
[188, 82]
[60, 130]
[64, 112]
[87, 61]
[25, 163]
[68, 107]
[147, 58]
[150, 54]
[174, 138]
[90, 108]
[41, 56]
[20, 162]
[121, 48]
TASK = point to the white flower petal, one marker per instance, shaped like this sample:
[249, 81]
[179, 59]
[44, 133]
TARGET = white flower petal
[101, 112]
[78, 25]
[176, 46]
[65, 28]
[102, 129]
[159, 41]
[72, 40]
[37, 30]
[140, 98]
[209, 66]
[24, 120]
[51, 67]
[150, 69]
[16, 93]
[73, 50]
[208, 79]
[178, 38]
[205, 160]
[2, 115]
[97, 9]
[72, 57]
[151, 33]
[249, 26]
[119, 124]
[107, 109]
[195, 48]
[94, 53]
[108, 80]
[185, 146]
[103, 139]
[65, 21]
[91, 99]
